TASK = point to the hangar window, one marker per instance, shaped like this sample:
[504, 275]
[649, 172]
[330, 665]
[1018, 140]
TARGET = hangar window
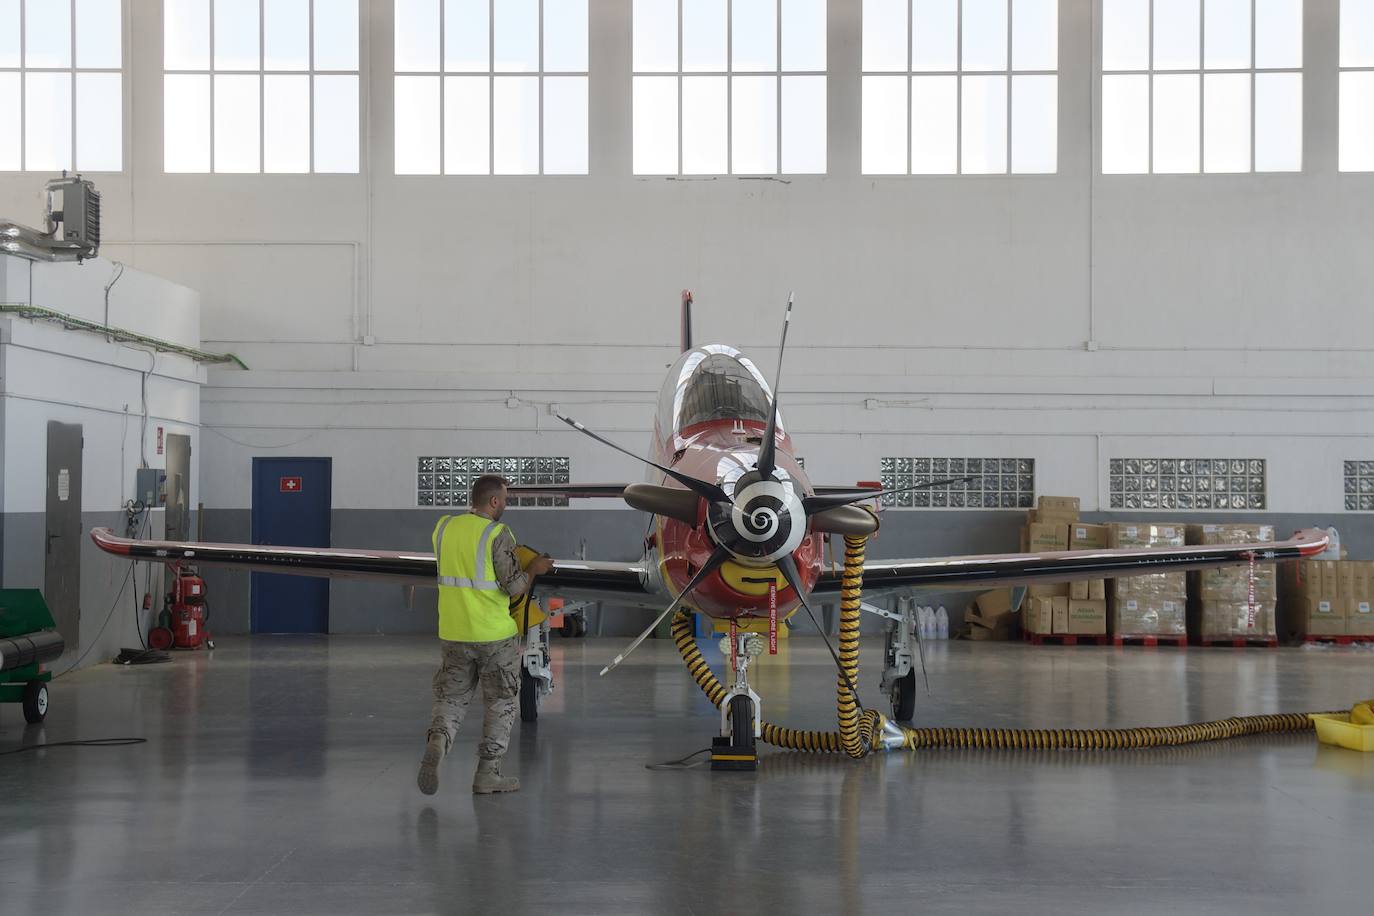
[1359, 486]
[729, 87]
[1193, 86]
[1356, 89]
[1186, 483]
[260, 86]
[446, 480]
[960, 87]
[491, 87]
[61, 85]
[998, 483]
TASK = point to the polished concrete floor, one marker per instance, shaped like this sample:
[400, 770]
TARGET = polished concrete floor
[279, 777]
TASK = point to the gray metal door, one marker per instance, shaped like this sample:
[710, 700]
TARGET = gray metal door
[178, 518]
[62, 534]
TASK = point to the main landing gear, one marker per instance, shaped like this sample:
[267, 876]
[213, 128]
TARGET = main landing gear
[740, 719]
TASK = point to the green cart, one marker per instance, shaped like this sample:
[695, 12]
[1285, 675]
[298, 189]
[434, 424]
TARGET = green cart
[28, 638]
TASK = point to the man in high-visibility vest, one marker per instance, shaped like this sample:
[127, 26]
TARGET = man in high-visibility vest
[478, 575]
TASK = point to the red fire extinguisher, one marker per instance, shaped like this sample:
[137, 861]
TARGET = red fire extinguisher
[186, 616]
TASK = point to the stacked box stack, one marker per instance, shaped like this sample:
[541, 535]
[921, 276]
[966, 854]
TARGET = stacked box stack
[991, 617]
[1063, 608]
[1154, 604]
[1333, 597]
[1223, 595]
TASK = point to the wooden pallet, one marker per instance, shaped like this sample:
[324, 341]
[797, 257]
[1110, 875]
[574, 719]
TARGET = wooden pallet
[1240, 642]
[1339, 640]
[1063, 639]
[1150, 641]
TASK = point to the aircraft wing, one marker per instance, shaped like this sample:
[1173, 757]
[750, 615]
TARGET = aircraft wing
[992, 570]
[571, 490]
[623, 583]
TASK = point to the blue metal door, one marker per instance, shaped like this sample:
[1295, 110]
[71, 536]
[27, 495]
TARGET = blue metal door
[291, 505]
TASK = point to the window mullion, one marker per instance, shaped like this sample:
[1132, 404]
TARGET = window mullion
[71, 40]
[210, 75]
[310, 89]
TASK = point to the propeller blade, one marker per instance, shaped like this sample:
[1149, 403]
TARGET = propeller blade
[788, 566]
[719, 556]
[768, 450]
[707, 491]
[814, 504]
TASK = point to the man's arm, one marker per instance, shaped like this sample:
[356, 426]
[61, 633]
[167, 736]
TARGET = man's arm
[512, 579]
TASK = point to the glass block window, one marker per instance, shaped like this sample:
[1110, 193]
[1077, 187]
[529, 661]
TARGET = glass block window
[1359, 486]
[491, 87]
[1356, 88]
[729, 87]
[253, 86]
[1186, 483]
[999, 483]
[960, 87]
[61, 85]
[1193, 86]
[447, 480]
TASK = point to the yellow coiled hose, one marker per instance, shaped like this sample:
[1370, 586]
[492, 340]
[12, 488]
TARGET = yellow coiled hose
[860, 729]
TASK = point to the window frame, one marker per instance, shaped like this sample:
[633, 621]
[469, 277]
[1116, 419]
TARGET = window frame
[729, 74]
[72, 70]
[261, 74]
[959, 74]
[1201, 72]
[491, 75]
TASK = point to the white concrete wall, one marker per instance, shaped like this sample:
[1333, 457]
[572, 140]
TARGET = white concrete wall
[50, 373]
[1069, 318]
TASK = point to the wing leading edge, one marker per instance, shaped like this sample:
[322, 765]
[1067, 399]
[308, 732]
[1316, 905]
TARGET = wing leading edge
[975, 572]
[575, 579]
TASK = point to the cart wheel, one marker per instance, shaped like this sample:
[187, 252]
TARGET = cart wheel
[581, 626]
[35, 701]
[210, 644]
[569, 627]
[529, 697]
[160, 638]
[904, 697]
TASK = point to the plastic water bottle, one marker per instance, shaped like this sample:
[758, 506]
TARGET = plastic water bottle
[942, 623]
[922, 624]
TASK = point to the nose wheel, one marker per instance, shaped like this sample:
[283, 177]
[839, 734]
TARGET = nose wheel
[904, 697]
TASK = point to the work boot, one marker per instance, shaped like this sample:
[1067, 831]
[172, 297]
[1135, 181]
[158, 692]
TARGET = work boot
[489, 779]
[428, 778]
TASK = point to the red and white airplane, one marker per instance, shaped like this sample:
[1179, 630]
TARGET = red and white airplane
[735, 517]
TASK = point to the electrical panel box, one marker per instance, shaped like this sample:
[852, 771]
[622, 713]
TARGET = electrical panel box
[150, 487]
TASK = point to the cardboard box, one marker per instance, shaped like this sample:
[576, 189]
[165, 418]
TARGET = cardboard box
[1325, 617]
[1088, 537]
[1043, 537]
[993, 604]
[1059, 504]
[1097, 589]
[1086, 618]
[1232, 619]
[1345, 579]
[1359, 616]
[1060, 612]
[1048, 590]
[1038, 615]
[1149, 615]
[1230, 533]
[1078, 590]
[1135, 534]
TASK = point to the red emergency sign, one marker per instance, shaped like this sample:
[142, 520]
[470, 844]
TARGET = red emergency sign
[290, 484]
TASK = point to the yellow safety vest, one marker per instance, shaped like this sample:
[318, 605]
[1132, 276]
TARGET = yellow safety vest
[472, 606]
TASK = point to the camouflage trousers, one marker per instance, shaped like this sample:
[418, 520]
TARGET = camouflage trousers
[495, 667]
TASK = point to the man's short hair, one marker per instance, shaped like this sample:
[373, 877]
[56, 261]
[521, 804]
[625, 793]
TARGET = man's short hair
[487, 486]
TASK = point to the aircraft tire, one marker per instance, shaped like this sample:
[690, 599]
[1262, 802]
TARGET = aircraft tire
[904, 697]
[529, 697]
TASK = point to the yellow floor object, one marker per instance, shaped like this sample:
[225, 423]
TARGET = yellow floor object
[1337, 729]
